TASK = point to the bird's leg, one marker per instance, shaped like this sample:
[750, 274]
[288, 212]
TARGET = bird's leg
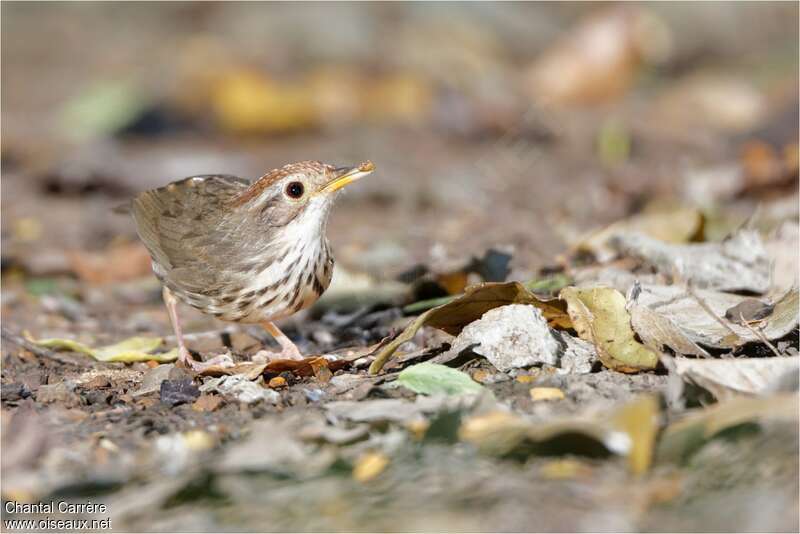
[172, 308]
[289, 350]
[183, 353]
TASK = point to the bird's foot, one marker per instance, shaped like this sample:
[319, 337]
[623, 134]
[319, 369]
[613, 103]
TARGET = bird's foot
[185, 357]
[288, 353]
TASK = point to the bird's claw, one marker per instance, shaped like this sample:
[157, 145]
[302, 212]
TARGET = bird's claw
[223, 360]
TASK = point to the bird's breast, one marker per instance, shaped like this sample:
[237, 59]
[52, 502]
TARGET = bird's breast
[278, 283]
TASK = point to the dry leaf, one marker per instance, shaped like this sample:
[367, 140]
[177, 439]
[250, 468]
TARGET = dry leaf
[135, 349]
[627, 431]
[738, 376]
[738, 263]
[546, 394]
[699, 318]
[683, 438]
[670, 226]
[658, 331]
[370, 465]
[600, 317]
[640, 420]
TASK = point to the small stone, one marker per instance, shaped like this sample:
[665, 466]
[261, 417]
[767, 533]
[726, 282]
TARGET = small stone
[14, 392]
[61, 392]
[152, 379]
[277, 382]
[510, 337]
[97, 396]
[579, 356]
[314, 395]
[207, 403]
[174, 392]
[241, 389]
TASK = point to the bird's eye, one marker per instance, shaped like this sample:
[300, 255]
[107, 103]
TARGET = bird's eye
[295, 190]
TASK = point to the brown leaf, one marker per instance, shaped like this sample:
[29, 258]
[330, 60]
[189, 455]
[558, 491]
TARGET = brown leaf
[303, 367]
[322, 371]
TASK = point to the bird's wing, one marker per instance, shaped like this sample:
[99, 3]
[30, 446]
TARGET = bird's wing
[189, 229]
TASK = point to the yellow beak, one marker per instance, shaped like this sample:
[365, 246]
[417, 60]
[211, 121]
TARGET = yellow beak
[348, 175]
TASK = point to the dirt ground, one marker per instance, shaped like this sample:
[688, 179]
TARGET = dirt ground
[492, 170]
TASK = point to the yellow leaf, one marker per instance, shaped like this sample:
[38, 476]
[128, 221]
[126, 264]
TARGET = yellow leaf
[565, 469]
[546, 394]
[369, 466]
[600, 317]
[640, 420]
[135, 349]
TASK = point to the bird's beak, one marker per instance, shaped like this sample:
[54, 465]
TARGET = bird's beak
[346, 175]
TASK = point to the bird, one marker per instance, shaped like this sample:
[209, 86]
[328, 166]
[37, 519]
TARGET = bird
[242, 251]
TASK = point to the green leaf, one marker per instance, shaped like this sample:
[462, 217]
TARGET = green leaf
[135, 349]
[432, 378]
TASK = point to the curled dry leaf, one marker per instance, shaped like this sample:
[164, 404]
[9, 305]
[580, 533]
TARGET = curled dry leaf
[679, 225]
[670, 316]
[477, 300]
[738, 263]
[685, 437]
[658, 331]
[600, 317]
[738, 376]
[629, 431]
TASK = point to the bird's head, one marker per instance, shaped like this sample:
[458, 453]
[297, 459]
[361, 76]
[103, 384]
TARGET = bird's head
[299, 193]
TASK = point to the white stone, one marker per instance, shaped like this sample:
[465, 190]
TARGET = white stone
[510, 337]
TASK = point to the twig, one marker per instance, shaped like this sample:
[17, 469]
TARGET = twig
[709, 311]
[41, 352]
[760, 335]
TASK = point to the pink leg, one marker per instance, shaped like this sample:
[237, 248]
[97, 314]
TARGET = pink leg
[183, 353]
[289, 350]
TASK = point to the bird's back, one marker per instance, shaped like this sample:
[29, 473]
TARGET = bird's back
[190, 231]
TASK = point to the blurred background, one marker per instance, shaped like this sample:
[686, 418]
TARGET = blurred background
[511, 125]
[516, 127]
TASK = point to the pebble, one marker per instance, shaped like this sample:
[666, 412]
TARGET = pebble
[510, 337]
[174, 392]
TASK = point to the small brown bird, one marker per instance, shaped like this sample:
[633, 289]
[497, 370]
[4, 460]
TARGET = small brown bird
[241, 251]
